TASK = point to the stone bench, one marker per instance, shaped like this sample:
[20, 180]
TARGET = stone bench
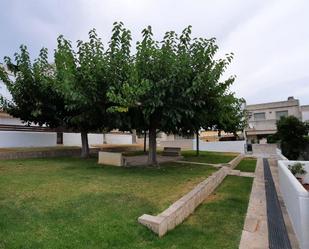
[111, 158]
[171, 151]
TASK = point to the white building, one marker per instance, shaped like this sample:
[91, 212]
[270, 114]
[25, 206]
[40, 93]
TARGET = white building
[305, 113]
[263, 117]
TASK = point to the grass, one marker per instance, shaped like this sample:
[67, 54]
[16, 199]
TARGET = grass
[247, 165]
[74, 203]
[208, 157]
[219, 221]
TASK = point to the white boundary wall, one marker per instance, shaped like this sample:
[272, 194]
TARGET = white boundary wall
[27, 139]
[74, 139]
[47, 139]
[221, 146]
[296, 199]
[119, 138]
[184, 144]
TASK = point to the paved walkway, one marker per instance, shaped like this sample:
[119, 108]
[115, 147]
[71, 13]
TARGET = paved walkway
[143, 159]
[292, 236]
[198, 163]
[235, 172]
[255, 233]
[277, 233]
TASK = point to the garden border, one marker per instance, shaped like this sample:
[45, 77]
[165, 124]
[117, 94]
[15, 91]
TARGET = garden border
[182, 208]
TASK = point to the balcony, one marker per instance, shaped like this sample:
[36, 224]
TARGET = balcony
[267, 126]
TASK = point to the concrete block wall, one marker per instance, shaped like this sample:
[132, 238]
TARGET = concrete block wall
[181, 209]
[221, 146]
[296, 199]
[74, 139]
[184, 144]
[233, 163]
[27, 139]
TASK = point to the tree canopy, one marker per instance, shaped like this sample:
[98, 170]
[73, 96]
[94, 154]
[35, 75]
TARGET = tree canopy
[182, 86]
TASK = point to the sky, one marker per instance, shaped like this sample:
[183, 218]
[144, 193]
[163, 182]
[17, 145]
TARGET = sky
[270, 38]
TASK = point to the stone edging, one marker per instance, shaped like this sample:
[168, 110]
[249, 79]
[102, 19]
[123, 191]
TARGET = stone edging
[43, 153]
[182, 208]
[233, 163]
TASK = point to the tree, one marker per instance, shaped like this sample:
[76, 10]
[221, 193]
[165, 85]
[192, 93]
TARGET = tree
[209, 101]
[232, 116]
[81, 78]
[291, 133]
[34, 96]
[181, 82]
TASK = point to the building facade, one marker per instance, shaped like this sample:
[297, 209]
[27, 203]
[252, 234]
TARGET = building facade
[305, 113]
[262, 118]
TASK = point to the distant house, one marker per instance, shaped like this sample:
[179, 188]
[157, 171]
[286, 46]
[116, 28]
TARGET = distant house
[263, 117]
[305, 113]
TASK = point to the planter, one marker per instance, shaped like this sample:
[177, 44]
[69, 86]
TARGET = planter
[296, 199]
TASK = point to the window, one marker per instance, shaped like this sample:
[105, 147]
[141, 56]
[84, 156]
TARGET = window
[259, 116]
[280, 114]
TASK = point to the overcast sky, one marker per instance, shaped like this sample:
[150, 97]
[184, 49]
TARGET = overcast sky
[270, 38]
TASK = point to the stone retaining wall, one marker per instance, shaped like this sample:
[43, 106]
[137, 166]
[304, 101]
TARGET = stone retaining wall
[233, 163]
[43, 153]
[181, 209]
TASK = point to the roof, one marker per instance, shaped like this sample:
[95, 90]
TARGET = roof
[270, 105]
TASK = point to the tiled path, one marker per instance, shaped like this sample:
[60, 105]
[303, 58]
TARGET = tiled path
[277, 234]
[255, 232]
[274, 171]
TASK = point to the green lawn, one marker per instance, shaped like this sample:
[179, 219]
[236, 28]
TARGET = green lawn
[208, 157]
[74, 203]
[247, 165]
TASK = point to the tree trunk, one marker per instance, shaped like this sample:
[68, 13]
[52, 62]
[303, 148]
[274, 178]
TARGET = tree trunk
[197, 144]
[145, 137]
[134, 136]
[104, 138]
[85, 145]
[152, 153]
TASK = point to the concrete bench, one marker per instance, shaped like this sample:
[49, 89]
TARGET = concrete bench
[111, 158]
[171, 151]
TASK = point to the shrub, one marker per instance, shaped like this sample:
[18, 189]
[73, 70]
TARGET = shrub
[291, 133]
[297, 169]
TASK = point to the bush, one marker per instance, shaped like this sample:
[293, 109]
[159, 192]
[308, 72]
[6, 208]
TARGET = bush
[272, 139]
[291, 133]
[297, 169]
